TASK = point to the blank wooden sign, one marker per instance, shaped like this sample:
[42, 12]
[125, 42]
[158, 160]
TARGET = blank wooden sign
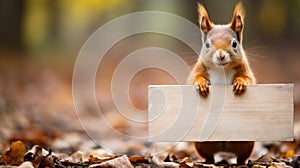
[262, 113]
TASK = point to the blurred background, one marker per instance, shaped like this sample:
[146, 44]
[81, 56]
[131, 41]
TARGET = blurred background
[40, 40]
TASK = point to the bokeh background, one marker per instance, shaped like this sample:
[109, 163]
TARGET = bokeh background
[40, 40]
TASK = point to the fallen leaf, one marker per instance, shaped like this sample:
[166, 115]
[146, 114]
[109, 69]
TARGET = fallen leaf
[34, 155]
[119, 162]
[296, 162]
[277, 165]
[184, 165]
[139, 159]
[26, 164]
[47, 161]
[160, 163]
[171, 157]
[259, 166]
[186, 162]
[97, 153]
[264, 160]
[203, 165]
[74, 158]
[288, 154]
[14, 156]
[93, 159]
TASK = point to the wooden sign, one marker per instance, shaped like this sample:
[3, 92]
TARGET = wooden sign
[263, 113]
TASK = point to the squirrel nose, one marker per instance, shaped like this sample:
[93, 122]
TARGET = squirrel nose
[221, 57]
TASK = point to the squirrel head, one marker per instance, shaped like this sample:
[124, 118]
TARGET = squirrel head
[222, 44]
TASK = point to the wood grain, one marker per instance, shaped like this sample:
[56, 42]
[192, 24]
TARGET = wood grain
[263, 113]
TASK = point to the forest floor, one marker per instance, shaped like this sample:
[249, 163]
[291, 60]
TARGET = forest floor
[40, 127]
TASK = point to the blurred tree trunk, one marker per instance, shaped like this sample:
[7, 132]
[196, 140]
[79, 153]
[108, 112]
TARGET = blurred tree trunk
[11, 18]
[54, 19]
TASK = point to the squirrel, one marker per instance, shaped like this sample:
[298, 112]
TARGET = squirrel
[222, 61]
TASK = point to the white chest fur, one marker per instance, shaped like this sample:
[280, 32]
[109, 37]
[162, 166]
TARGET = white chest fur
[221, 76]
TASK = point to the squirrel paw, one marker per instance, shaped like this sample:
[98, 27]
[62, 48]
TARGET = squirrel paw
[239, 85]
[202, 85]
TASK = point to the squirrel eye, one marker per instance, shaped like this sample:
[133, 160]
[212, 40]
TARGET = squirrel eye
[234, 44]
[207, 44]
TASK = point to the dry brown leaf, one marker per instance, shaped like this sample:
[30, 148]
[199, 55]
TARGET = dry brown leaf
[14, 156]
[277, 165]
[93, 159]
[97, 153]
[171, 157]
[75, 157]
[296, 162]
[186, 162]
[259, 166]
[47, 161]
[264, 160]
[138, 159]
[288, 154]
[34, 155]
[119, 162]
[160, 163]
[203, 165]
[26, 164]
[184, 165]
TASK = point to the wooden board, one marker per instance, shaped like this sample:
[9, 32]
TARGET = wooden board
[263, 113]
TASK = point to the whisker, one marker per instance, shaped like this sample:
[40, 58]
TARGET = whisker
[249, 55]
[253, 43]
[252, 58]
[255, 63]
[257, 47]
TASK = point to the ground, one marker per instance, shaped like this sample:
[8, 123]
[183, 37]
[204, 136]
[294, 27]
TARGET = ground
[40, 127]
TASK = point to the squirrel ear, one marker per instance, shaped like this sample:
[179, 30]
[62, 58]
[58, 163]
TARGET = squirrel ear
[237, 22]
[204, 22]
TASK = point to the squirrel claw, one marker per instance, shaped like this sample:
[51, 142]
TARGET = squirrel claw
[239, 86]
[202, 85]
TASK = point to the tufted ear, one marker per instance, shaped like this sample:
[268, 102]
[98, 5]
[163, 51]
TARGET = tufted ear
[237, 22]
[205, 24]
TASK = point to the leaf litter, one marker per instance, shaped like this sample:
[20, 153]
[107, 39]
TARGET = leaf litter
[39, 128]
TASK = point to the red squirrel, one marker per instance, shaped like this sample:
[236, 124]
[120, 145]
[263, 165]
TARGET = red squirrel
[222, 61]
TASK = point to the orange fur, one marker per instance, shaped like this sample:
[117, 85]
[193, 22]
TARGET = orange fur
[201, 78]
[221, 43]
[219, 57]
[237, 22]
[204, 22]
